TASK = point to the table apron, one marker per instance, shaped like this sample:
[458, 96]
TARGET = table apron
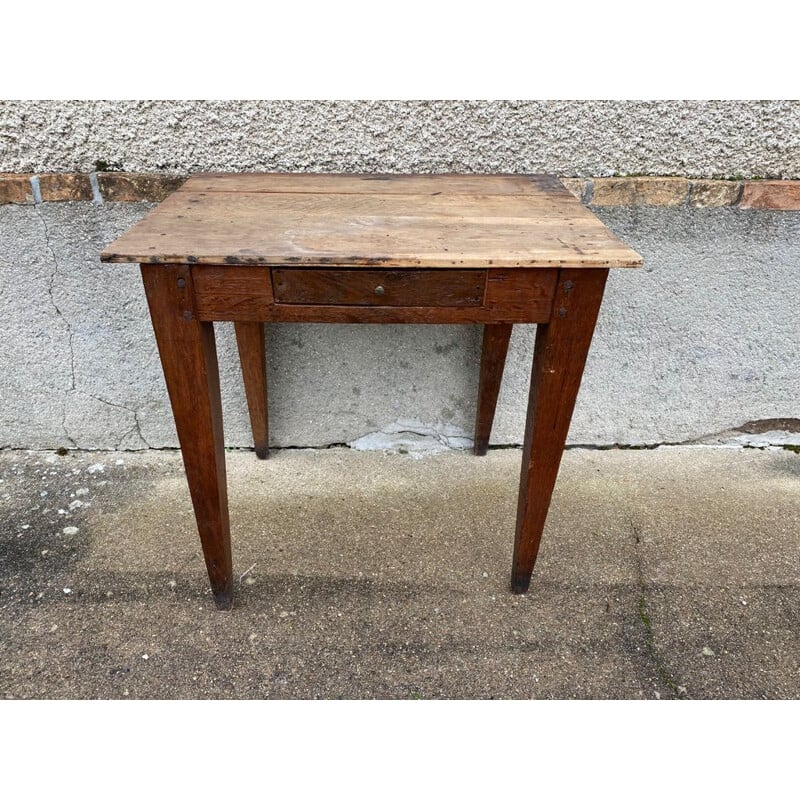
[245, 294]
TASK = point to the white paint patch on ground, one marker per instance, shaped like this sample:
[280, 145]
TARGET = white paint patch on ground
[415, 437]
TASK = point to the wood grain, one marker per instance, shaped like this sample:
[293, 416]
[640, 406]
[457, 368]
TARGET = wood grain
[189, 360]
[493, 361]
[244, 294]
[372, 287]
[519, 295]
[541, 225]
[559, 357]
[253, 358]
[239, 294]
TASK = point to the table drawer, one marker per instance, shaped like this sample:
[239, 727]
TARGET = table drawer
[380, 287]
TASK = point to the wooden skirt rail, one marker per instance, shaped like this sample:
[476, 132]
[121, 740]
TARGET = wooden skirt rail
[247, 294]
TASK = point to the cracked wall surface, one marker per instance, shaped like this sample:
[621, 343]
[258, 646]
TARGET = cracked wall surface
[702, 339]
[679, 137]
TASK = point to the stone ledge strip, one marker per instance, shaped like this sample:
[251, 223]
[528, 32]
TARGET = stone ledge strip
[776, 195]
[127, 187]
[56, 186]
[15, 188]
[133, 187]
[714, 194]
[640, 191]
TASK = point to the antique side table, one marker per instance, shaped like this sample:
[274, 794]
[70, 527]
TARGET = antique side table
[258, 248]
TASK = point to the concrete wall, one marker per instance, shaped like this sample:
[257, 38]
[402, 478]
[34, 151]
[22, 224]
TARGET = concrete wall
[703, 339]
[590, 138]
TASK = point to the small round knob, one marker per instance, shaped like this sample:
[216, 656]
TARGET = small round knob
[379, 290]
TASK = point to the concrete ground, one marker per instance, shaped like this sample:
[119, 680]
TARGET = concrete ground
[669, 573]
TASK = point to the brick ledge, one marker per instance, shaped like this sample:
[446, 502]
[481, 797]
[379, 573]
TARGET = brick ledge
[128, 187]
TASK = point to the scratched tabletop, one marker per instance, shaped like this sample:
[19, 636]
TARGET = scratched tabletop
[372, 220]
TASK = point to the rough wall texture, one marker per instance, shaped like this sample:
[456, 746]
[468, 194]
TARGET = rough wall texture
[703, 339]
[690, 138]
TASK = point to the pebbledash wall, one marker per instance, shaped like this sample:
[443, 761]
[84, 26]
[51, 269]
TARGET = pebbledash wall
[700, 345]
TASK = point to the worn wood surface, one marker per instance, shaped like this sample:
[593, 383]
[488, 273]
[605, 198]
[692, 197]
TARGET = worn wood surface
[253, 358]
[233, 293]
[303, 220]
[493, 361]
[189, 360]
[519, 295]
[379, 287]
[246, 294]
[559, 358]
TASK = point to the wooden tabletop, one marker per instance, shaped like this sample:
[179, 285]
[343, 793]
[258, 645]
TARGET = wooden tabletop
[306, 219]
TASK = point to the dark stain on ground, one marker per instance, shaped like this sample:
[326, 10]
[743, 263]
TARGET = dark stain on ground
[33, 544]
[791, 425]
[444, 349]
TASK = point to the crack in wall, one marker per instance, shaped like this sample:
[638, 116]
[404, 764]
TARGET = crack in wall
[331, 446]
[67, 324]
[136, 422]
[50, 286]
[136, 427]
[644, 616]
[725, 438]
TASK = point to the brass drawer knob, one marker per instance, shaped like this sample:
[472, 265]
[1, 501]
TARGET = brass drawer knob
[379, 290]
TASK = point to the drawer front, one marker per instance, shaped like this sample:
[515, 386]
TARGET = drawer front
[431, 288]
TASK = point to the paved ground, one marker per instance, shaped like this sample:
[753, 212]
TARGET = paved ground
[665, 573]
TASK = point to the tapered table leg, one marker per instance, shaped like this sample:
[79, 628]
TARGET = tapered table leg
[559, 357]
[493, 361]
[189, 360]
[253, 356]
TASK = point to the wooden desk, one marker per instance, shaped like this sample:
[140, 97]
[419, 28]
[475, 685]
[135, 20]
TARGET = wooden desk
[257, 248]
